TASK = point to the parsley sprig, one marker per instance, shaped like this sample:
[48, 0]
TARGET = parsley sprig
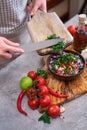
[45, 118]
[59, 45]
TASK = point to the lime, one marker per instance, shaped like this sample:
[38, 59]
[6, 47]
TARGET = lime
[25, 83]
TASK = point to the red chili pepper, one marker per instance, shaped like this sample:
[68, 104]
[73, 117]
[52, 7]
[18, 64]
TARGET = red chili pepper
[19, 100]
[57, 94]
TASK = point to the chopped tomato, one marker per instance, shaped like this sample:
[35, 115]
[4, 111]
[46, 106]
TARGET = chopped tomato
[63, 65]
[86, 28]
[70, 64]
[86, 63]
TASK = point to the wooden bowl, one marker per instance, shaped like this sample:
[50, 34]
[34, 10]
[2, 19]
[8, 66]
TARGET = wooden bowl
[52, 58]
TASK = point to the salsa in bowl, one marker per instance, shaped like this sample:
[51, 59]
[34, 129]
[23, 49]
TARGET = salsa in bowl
[66, 66]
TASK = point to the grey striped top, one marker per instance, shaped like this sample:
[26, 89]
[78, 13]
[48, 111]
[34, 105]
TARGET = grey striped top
[13, 15]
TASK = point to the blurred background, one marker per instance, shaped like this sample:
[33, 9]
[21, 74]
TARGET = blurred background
[66, 9]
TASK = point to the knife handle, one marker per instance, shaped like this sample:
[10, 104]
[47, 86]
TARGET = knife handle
[45, 51]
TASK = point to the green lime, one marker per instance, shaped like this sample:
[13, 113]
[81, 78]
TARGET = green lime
[25, 83]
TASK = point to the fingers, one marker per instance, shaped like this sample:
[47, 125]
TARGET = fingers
[43, 8]
[1, 58]
[38, 4]
[15, 49]
[29, 7]
[35, 8]
[11, 46]
[5, 55]
[7, 48]
[10, 42]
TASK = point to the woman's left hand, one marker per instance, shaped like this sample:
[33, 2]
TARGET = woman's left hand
[38, 4]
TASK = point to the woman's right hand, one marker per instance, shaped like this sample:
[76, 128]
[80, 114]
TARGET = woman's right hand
[6, 47]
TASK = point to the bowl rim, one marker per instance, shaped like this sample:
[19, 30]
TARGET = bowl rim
[70, 76]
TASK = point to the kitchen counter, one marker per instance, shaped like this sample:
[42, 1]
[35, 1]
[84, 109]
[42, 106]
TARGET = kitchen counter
[74, 118]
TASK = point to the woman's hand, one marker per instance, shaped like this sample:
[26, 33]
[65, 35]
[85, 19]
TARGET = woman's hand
[38, 4]
[6, 47]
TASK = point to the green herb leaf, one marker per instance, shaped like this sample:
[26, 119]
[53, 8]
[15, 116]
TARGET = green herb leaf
[42, 73]
[45, 118]
[58, 46]
[53, 36]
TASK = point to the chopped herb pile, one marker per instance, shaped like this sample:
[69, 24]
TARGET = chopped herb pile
[54, 36]
[59, 45]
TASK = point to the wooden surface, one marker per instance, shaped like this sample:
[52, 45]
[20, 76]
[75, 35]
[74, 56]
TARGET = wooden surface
[46, 24]
[73, 88]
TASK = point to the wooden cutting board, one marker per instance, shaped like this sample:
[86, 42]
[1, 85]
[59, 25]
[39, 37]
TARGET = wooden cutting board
[73, 88]
[41, 26]
[45, 24]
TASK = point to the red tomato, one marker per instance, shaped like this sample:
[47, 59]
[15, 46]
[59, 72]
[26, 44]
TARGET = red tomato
[31, 93]
[72, 29]
[45, 101]
[69, 64]
[40, 81]
[32, 74]
[63, 65]
[54, 110]
[33, 103]
[42, 90]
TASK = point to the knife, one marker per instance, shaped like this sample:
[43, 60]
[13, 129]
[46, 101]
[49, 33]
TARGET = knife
[33, 46]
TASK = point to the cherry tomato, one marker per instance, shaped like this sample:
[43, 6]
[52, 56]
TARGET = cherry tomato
[42, 90]
[54, 110]
[33, 103]
[40, 81]
[31, 93]
[45, 101]
[72, 29]
[32, 74]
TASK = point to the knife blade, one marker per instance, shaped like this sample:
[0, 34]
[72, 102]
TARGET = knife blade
[40, 45]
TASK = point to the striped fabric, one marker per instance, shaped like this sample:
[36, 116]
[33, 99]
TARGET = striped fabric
[13, 15]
